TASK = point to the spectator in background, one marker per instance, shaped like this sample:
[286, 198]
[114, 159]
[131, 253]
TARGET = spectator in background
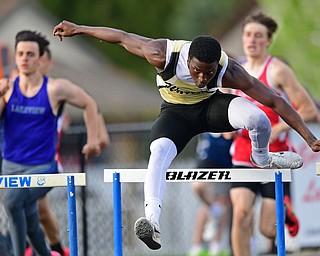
[29, 107]
[213, 152]
[47, 218]
[256, 38]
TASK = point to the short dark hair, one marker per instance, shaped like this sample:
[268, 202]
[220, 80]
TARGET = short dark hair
[32, 36]
[206, 49]
[262, 19]
[47, 50]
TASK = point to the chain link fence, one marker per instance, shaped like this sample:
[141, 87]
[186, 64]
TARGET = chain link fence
[129, 149]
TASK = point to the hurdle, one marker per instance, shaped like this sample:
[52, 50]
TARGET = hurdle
[118, 176]
[70, 180]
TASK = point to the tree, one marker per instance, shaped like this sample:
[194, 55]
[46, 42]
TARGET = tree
[298, 38]
[182, 19]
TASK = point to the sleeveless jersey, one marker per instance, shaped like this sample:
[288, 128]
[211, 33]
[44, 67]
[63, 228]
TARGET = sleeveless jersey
[30, 129]
[241, 148]
[175, 83]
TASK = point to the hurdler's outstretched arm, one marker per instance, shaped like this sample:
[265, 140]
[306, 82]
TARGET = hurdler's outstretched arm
[237, 77]
[153, 50]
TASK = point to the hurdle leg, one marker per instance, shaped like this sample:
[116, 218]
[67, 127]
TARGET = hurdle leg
[117, 215]
[281, 248]
[73, 237]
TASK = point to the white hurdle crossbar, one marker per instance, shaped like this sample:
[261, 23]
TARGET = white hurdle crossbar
[70, 180]
[116, 176]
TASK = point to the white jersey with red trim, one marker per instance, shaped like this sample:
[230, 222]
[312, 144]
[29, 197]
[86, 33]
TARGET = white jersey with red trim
[241, 147]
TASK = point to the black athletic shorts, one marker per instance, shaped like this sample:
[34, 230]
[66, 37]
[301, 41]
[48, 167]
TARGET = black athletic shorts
[181, 122]
[265, 189]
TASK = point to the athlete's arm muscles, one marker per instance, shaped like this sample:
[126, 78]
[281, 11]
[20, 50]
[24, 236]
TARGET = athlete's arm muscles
[152, 50]
[283, 77]
[60, 90]
[104, 138]
[237, 78]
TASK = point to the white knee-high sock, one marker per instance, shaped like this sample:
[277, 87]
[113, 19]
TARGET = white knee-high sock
[244, 114]
[163, 151]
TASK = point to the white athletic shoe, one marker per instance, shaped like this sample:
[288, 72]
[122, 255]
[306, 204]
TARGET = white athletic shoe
[148, 232]
[282, 160]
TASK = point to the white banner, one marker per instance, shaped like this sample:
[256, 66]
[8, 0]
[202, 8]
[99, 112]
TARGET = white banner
[305, 191]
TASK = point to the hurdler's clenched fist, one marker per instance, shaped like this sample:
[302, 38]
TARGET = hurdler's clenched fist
[4, 86]
[65, 29]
